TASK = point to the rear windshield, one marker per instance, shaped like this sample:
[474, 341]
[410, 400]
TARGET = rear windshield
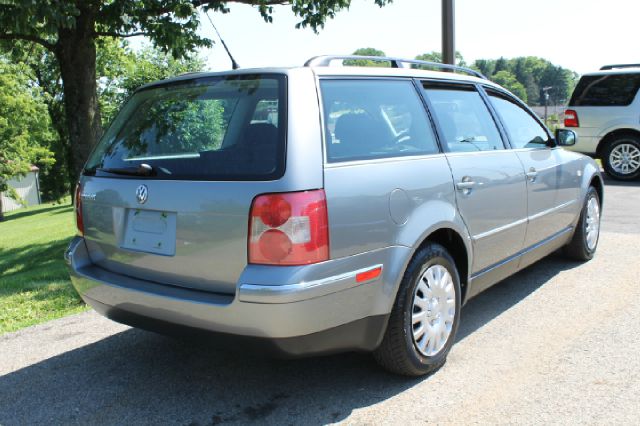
[606, 90]
[222, 128]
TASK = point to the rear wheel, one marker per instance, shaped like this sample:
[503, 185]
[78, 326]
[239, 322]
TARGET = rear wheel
[621, 159]
[425, 315]
[585, 238]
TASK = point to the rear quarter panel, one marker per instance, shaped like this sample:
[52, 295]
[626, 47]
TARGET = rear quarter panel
[390, 202]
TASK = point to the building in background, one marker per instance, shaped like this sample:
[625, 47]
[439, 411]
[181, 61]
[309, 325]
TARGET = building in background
[28, 188]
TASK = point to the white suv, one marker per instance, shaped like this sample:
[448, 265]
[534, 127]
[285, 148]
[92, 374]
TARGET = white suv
[604, 111]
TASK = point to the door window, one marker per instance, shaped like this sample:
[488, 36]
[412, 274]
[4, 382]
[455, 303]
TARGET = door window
[524, 131]
[366, 119]
[465, 121]
[606, 90]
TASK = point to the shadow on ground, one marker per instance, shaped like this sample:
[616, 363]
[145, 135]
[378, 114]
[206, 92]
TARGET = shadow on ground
[612, 182]
[140, 377]
[56, 209]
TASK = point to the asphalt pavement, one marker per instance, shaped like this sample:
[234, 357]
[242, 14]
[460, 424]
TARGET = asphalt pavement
[557, 343]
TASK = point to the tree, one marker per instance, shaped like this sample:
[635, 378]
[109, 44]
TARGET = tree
[533, 74]
[509, 82]
[501, 65]
[434, 56]
[24, 125]
[121, 71]
[367, 51]
[485, 66]
[70, 29]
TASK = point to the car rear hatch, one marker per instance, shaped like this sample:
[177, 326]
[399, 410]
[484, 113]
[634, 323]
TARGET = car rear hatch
[166, 194]
[601, 101]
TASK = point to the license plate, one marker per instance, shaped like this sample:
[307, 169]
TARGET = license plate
[150, 231]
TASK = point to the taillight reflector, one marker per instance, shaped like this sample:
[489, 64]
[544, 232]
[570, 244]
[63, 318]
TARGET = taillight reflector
[369, 275]
[78, 208]
[571, 118]
[289, 228]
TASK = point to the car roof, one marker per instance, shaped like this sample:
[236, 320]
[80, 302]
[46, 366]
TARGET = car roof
[333, 71]
[629, 70]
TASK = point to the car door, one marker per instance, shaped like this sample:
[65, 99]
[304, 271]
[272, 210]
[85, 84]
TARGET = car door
[552, 186]
[491, 188]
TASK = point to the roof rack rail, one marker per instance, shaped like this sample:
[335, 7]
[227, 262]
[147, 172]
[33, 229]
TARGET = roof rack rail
[325, 61]
[610, 67]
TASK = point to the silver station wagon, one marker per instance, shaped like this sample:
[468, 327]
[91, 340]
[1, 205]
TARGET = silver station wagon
[324, 208]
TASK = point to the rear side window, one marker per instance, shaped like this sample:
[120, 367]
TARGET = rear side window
[524, 131]
[465, 121]
[225, 128]
[606, 90]
[366, 119]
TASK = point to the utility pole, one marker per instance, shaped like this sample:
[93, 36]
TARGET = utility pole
[448, 32]
[545, 91]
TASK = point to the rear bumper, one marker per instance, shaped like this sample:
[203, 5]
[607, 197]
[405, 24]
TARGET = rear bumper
[308, 317]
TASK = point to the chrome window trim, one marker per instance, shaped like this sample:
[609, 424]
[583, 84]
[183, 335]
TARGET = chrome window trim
[384, 160]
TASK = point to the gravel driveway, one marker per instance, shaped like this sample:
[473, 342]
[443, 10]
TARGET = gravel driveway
[557, 343]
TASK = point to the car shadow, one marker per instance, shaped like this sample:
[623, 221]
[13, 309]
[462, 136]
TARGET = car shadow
[140, 377]
[612, 182]
[497, 299]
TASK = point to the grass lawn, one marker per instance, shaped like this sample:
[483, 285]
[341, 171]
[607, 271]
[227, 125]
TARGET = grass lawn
[34, 283]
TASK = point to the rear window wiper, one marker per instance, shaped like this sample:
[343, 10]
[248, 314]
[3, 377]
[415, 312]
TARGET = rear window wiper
[141, 170]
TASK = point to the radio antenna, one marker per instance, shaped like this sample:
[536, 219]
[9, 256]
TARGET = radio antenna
[234, 64]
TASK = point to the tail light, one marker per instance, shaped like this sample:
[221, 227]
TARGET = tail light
[289, 228]
[78, 208]
[571, 118]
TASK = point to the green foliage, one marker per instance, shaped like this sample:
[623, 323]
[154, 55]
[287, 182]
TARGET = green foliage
[181, 121]
[25, 129]
[70, 29]
[34, 282]
[367, 51]
[170, 24]
[532, 74]
[434, 56]
[121, 71]
[510, 82]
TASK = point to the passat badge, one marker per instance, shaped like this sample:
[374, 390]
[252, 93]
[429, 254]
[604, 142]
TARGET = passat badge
[142, 193]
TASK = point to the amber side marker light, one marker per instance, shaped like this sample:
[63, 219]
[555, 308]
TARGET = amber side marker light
[369, 275]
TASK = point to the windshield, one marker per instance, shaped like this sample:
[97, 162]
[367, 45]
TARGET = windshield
[221, 128]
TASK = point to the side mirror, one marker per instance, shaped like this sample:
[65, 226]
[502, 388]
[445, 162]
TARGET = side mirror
[566, 137]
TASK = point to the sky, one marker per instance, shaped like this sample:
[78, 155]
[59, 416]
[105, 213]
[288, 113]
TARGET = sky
[581, 35]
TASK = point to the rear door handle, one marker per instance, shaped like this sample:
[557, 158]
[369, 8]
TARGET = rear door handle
[532, 174]
[465, 185]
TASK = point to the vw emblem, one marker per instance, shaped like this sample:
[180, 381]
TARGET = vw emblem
[142, 193]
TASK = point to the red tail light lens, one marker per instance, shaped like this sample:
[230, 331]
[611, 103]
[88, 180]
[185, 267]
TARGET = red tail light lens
[571, 118]
[289, 229]
[78, 207]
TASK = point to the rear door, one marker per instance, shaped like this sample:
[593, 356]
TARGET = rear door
[166, 195]
[552, 173]
[490, 182]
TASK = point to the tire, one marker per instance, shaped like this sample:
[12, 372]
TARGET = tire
[621, 158]
[583, 245]
[399, 351]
